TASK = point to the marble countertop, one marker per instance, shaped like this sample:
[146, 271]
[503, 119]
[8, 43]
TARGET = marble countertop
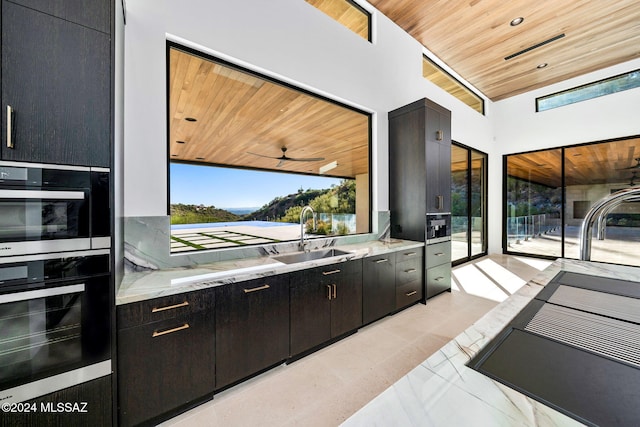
[150, 284]
[443, 391]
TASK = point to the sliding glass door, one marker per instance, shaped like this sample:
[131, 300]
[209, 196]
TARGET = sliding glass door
[549, 192]
[468, 203]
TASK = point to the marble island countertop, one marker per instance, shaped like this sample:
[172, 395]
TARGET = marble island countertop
[139, 286]
[443, 391]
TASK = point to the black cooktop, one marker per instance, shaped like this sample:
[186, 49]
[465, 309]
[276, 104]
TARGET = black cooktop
[575, 347]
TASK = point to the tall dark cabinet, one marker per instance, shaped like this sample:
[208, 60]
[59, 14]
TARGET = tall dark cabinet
[420, 185]
[56, 82]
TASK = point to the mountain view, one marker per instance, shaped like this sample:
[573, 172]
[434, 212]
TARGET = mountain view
[337, 199]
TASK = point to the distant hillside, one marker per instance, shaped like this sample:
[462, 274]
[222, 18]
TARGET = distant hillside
[275, 209]
[200, 214]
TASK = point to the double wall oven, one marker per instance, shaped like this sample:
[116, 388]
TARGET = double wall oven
[55, 283]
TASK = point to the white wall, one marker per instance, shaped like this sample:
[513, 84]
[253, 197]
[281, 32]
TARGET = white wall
[519, 128]
[290, 40]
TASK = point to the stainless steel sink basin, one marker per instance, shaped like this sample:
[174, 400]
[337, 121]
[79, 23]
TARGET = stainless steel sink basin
[296, 257]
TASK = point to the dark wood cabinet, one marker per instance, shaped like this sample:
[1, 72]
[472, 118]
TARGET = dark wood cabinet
[420, 181]
[409, 277]
[419, 167]
[438, 268]
[326, 302]
[166, 356]
[378, 287]
[97, 411]
[56, 78]
[252, 327]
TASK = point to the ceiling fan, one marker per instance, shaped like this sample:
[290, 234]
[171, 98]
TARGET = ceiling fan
[636, 166]
[285, 158]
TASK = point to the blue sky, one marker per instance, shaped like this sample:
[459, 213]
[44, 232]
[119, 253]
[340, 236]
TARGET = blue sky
[236, 188]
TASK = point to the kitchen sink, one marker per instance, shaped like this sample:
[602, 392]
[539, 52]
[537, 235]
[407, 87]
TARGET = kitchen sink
[296, 257]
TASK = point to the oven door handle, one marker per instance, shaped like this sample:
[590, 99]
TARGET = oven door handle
[41, 293]
[35, 194]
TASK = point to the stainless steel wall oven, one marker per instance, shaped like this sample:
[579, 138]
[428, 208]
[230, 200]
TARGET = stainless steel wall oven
[52, 208]
[55, 321]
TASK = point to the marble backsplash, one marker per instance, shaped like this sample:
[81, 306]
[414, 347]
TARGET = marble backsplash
[147, 244]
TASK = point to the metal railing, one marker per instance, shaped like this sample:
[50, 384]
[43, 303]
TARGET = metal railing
[527, 227]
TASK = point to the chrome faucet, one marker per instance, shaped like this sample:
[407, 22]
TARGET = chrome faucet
[600, 209]
[313, 217]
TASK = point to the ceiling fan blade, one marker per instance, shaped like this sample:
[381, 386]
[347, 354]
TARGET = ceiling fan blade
[309, 159]
[262, 155]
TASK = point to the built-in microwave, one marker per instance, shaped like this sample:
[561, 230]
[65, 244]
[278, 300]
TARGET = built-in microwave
[55, 321]
[53, 208]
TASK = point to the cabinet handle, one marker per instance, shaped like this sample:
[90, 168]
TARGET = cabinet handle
[439, 202]
[169, 331]
[437, 279]
[259, 288]
[327, 273]
[9, 126]
[411, 270]
[439, 254]
[439, 135]
[411, 293]
[329, 292]
[335, 294]
[169, 307]
[409, 254]
[380, 261]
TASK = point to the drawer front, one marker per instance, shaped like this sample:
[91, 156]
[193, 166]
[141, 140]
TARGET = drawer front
[169, 307]
[408, 293]
[438, 279]
[409, 254]
[409, 271]
[438, 254]
[380, 261]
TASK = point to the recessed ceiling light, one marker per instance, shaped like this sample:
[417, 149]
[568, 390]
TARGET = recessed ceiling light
[180, 142]
[199, 158]
[516, 21]
[543, 65]
[190, 119]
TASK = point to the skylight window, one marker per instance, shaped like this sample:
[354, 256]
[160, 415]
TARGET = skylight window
[348, 13]
[434, 73]
[608, 86]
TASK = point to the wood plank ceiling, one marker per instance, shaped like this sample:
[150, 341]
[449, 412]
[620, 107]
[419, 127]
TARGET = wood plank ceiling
[240, 119]
[474, 37]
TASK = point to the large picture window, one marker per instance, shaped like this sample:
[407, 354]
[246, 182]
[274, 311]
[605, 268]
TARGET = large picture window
[549, 192]
[247, 152]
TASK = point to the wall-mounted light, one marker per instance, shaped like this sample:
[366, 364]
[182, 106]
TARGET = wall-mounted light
[324, 169]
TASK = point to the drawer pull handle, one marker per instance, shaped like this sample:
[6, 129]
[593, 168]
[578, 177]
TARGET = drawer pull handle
[9, 126]
[169, 331]
[329, 292]
[412, 293]
[335, 293]
[170, 307]
[411, 270]
[437, 279]
[439, 254]
[259, 288]
[327, 273]
[409, 254]
[381, 261]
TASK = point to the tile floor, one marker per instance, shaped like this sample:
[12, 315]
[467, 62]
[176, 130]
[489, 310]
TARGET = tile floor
[326, 387]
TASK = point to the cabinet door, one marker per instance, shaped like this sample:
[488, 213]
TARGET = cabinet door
[165, 365]
[56, 77]
[438, 279]
[378, 287]
[438, 161]
[252, 327]
[310, 310]
[94, 14]
[346, 302]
